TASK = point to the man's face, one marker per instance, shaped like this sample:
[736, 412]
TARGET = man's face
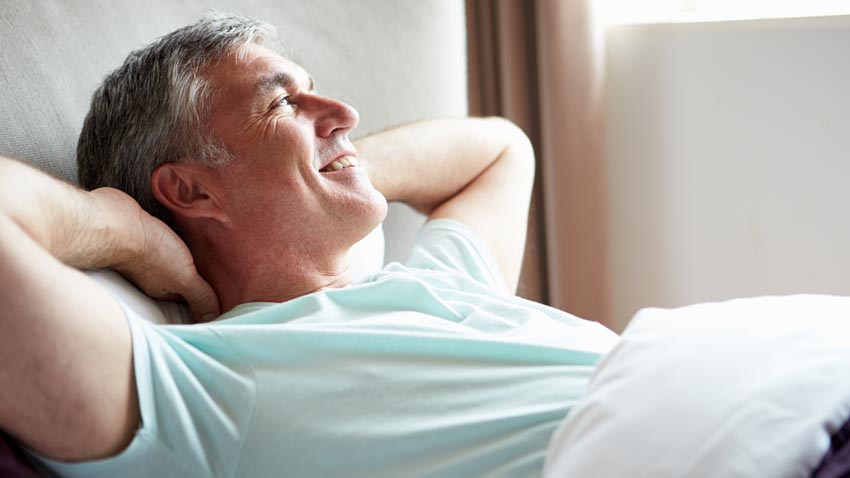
[285, 137]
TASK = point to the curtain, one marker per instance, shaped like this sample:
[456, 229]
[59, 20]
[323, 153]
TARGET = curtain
[539, 64]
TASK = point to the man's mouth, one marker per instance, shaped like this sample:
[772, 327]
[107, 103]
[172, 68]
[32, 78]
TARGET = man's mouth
[340, 163]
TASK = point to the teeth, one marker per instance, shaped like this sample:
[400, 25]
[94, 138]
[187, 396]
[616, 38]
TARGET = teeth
[341, 163]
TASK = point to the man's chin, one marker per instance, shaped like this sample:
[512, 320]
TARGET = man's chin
[383, 208]
[363, 215]
[375, 208]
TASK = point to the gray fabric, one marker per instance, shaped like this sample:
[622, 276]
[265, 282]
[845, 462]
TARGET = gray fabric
[395, 61]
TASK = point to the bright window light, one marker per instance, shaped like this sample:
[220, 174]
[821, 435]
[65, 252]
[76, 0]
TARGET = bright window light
[657, 11]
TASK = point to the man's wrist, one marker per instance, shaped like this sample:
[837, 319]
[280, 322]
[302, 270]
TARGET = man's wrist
[103, 231]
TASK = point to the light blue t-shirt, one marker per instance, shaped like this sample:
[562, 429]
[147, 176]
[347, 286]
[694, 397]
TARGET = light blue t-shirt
[428, 369]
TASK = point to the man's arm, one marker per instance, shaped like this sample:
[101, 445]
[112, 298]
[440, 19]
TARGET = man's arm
[479, 171]
[65, 350]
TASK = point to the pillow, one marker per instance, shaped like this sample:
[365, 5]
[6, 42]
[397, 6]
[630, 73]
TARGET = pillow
[364, 258]
[750, 387]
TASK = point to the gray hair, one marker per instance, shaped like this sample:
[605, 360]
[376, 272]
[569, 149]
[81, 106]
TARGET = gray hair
[153, 109]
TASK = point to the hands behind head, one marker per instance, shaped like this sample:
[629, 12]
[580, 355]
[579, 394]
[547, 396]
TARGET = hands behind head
[157, 260]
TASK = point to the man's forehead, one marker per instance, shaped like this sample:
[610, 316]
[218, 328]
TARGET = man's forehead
[285, 79]
[261, 70]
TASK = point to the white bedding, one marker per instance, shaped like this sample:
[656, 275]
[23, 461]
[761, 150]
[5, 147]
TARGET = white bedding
[745, 388]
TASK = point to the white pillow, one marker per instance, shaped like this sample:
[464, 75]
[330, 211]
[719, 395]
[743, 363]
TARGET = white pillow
[364, 258]
[746, 388]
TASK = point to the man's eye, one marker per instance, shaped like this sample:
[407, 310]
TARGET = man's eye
[283, 102]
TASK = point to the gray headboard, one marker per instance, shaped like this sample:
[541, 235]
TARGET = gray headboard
[396, 61]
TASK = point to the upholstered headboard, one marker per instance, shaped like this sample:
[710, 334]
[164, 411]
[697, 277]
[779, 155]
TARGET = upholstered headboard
[396, 61]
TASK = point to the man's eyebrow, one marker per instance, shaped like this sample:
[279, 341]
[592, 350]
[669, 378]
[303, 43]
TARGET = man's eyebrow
[285, 80]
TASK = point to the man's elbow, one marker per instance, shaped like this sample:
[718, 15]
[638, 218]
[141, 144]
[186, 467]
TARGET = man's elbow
[518, 152]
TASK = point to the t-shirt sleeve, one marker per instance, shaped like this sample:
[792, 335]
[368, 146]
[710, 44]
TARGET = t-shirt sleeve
[187, 398]
[451, 246]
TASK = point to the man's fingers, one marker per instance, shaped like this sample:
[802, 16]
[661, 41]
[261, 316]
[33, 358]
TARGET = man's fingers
[201, 299]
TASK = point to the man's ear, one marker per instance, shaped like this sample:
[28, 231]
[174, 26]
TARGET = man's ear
[183, 190]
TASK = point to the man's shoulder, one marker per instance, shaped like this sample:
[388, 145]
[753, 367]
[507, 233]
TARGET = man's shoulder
[452, 246]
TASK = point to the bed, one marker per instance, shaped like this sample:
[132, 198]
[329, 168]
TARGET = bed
[653, 405]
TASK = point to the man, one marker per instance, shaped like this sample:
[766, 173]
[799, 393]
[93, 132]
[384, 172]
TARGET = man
[429, 368]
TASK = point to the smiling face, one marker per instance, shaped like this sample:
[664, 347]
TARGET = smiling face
[295, 177]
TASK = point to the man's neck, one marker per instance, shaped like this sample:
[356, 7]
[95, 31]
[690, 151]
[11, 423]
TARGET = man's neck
[240, 278]
[275, 288]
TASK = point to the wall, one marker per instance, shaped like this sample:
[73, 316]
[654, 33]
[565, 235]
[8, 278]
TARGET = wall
[729, 160]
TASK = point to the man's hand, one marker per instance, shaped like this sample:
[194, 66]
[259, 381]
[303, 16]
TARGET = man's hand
[478, 171]
[155, 258]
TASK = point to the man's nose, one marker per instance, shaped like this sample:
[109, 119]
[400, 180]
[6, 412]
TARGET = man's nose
[333, 117]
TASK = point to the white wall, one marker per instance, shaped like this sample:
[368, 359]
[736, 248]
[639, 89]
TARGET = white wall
[729, 160]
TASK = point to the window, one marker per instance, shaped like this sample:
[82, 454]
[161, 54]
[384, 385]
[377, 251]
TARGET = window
[658, 11]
